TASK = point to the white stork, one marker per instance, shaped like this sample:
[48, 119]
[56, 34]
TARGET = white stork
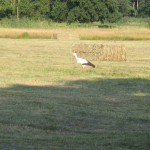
[82, 61]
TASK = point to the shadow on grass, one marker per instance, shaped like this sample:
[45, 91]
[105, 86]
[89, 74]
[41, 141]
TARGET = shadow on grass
[95, 114]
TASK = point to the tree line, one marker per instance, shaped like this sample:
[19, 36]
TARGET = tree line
[82, 11]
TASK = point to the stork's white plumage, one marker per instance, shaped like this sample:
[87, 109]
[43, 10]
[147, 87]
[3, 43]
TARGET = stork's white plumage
[82, 61]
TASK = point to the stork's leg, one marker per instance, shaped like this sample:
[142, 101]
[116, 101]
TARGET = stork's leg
[82, 69]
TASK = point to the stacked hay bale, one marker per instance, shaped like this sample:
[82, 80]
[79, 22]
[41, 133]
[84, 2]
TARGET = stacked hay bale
[101, 52]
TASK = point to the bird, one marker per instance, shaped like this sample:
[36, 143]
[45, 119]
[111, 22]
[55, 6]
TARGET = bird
[82, 61]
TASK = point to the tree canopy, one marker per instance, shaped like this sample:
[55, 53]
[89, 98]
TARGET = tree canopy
[74, 10]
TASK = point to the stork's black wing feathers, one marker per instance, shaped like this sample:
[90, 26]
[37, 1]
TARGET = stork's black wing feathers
[89, 64]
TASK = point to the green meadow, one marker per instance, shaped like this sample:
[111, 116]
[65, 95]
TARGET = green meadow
[47, 102]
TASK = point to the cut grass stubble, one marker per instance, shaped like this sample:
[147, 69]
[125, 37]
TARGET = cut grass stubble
[48, 102]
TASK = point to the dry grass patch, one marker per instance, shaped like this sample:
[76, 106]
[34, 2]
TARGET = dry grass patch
[28, 33]
[124, 33]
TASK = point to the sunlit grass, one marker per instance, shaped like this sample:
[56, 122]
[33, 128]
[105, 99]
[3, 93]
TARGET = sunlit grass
[27, 33]
[121, 33]
[48, 102]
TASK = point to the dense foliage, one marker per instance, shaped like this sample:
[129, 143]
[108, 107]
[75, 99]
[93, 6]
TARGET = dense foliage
[74, 10]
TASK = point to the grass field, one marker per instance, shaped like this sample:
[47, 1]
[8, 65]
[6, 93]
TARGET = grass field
[119, 33]
[124, 30]
[48, 102]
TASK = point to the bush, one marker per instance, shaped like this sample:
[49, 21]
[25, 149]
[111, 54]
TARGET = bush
[24, 35]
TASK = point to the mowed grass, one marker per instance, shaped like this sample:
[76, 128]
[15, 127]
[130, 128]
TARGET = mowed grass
[48, 102]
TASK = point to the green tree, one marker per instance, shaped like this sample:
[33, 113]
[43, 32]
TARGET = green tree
[144, 8]
[83, 11]
[34, 8]
[6, 8]
[125, 7]
[59, 11]
[75, 10]
[16, 7]
[112, 6]
[95, 10]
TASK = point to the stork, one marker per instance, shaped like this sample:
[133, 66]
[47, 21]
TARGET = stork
[82, 61]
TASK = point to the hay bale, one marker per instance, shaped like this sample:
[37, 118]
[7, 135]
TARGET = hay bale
[101, 52]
